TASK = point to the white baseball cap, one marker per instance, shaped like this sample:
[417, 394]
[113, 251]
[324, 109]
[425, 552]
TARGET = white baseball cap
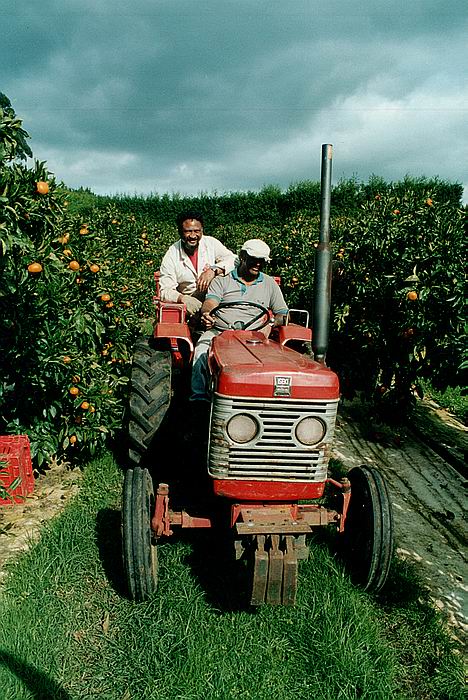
[257, 249]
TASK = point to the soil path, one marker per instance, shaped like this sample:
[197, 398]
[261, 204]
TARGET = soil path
[20, 524]
[429, 505]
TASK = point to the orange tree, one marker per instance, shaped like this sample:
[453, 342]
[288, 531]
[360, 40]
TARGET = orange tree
[398, 283]
[398, 295]
[71, 305]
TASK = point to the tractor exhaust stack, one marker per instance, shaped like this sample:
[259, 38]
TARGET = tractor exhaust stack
[322, 274]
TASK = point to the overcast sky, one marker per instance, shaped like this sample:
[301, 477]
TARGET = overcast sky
[220, 95]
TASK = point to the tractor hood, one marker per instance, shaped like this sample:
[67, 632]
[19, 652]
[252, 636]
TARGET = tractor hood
[245, 363]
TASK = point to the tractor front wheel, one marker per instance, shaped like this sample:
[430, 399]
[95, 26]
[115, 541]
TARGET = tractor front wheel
[368, 530]
[139, 548]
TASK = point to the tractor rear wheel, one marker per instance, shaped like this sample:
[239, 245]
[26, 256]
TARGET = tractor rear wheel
[139, 548]
[150, 395]
[368, 531]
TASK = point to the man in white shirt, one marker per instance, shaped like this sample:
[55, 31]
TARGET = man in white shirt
[192, 263]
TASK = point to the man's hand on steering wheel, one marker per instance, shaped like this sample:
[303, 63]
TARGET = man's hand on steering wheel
[207, 320]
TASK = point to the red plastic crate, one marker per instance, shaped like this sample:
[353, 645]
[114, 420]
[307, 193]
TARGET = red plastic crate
[15, 461]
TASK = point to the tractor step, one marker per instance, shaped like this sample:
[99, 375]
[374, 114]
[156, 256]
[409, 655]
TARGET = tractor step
[274, 520]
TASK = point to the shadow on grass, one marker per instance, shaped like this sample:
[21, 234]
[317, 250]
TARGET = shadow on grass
[211, 560]
[40, 686]
[109, 541]
[223, 579]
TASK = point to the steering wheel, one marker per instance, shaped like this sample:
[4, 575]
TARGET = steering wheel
[263, 314]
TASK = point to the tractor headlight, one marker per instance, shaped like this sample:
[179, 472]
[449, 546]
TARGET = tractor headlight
[310, 430]
[242, 428]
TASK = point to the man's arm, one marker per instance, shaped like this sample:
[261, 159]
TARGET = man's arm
[223, 262]
[207, 307]
[278, 305]
[213, 299]
[168, 281]
[278, 320]
[224, 258]
[278, 308]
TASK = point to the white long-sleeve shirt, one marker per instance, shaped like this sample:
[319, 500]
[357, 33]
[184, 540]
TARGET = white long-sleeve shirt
[178, 275]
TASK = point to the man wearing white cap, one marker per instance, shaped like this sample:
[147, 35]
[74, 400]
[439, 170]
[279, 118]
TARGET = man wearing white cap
[248, 283]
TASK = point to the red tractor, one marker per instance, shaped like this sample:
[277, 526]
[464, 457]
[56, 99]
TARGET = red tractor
[271, 424]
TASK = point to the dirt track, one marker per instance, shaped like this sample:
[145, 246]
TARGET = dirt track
[429, 504]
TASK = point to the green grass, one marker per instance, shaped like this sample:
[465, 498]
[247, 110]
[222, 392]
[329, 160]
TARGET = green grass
[68, 631]
[454, 399]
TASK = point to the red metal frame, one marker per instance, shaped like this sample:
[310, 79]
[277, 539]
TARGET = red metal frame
[250, 490]
[16, 454]
[171, 326]
[281, 516]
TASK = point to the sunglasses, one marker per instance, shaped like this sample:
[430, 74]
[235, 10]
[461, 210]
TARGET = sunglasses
[251, 259]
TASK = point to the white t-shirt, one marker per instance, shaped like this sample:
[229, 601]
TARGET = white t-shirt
[178, 275]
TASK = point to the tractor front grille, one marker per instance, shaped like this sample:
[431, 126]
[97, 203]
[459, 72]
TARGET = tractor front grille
[274, 453]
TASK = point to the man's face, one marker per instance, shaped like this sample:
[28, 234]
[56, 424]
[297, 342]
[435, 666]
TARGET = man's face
[252, 266]
[192, 231]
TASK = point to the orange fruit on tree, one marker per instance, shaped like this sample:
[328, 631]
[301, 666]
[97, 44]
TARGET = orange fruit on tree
[74, 391]
[91, 409]
[105, 297]
[408, 333]
[429, 202]
[34, 268]
[84, 229]
[412, 296]
[72, 439]
[94, 268]
[66, 359]
[84, 405]
[75, 379]
[110, 304]
[74, 265]
[67, 252]
[42, 187]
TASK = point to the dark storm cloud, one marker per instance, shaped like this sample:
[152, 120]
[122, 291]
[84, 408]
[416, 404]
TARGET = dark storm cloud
[190, 95]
